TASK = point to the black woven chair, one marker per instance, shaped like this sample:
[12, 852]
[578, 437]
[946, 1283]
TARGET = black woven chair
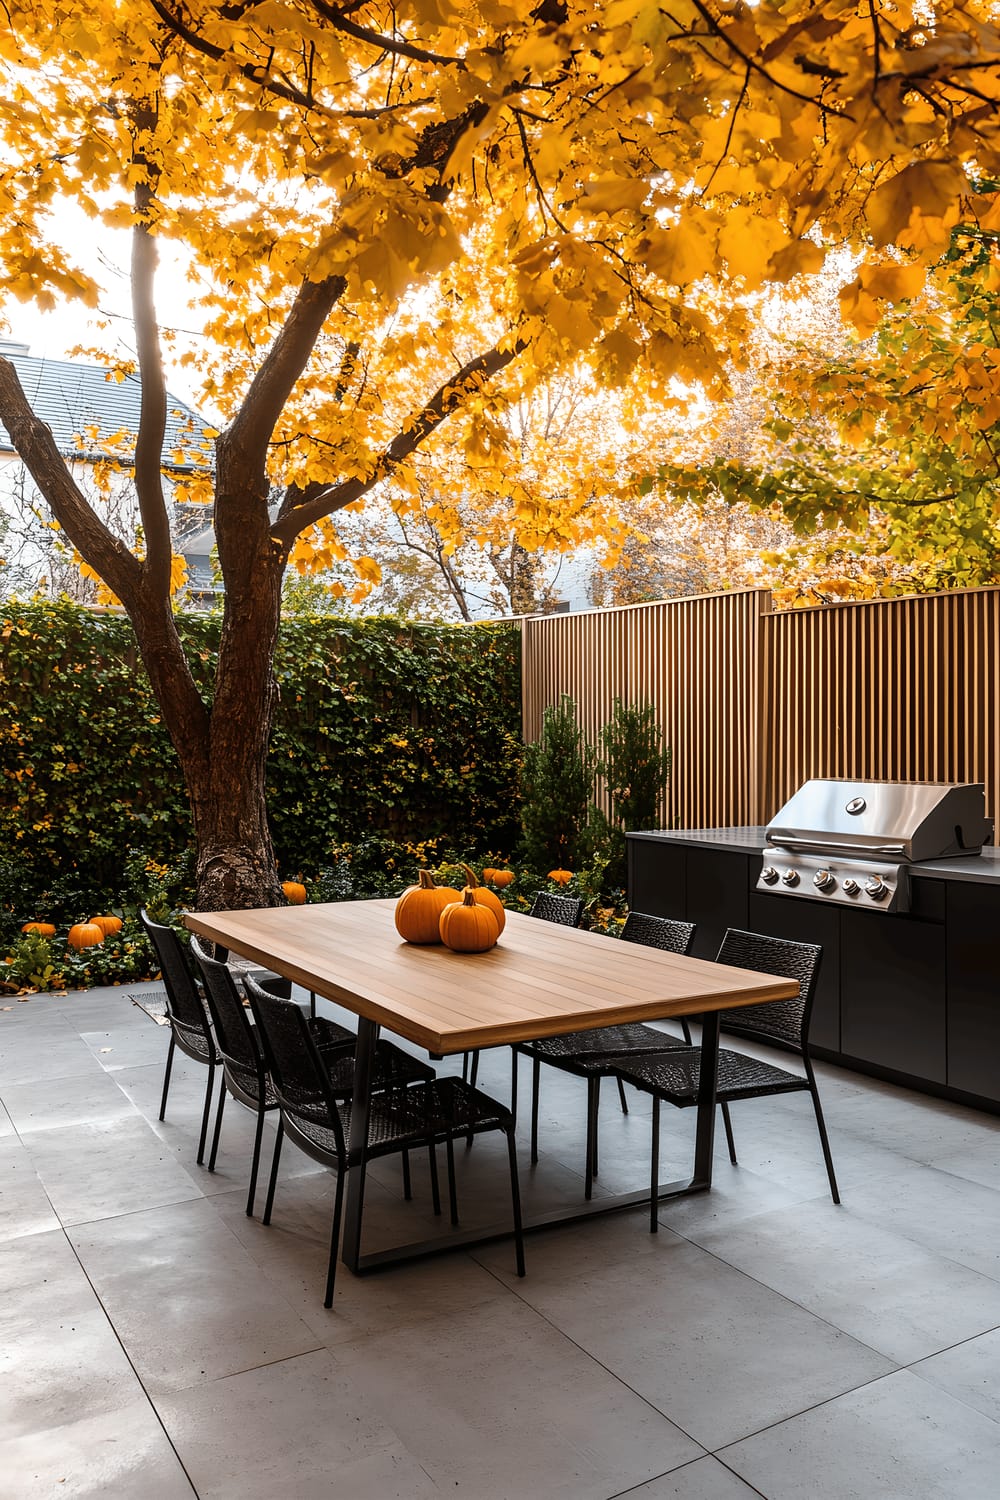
[566, 910]
[393, 1068]
[399, 1119]
[243, 1072]
[190, 1027]
[547, 907]
[589, 1054]
[674, 1076]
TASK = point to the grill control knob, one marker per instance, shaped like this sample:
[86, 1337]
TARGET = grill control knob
[876, 888]
[823, 880]
[790, 877]
[769, 874]
[851, 886]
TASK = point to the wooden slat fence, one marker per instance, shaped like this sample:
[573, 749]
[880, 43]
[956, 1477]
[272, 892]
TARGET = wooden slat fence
[891, 690]
[696, 660]
[754, 702]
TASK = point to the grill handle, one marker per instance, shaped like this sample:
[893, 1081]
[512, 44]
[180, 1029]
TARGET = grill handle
[859, 851]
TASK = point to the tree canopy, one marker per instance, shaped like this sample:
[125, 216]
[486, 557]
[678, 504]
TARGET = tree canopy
[586, 175]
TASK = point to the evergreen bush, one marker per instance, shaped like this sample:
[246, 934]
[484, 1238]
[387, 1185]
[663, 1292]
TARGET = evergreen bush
[556, 787]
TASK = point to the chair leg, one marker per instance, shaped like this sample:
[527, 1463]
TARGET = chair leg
[312, 1004]
[654, 1173]
[206, 1114]
[536, 1074]
[729, 1131]
[272, 1180]
[823, 1137]
[515, 1198]
[452, 1193]
[474, 1074]
[338, 1206]
[218, 1124]
[621, 1096]
[407, 1185]
[166, 1076]
[255, 1161]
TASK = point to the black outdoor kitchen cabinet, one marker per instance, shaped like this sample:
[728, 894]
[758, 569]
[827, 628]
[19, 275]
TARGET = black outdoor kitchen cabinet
[912, 996]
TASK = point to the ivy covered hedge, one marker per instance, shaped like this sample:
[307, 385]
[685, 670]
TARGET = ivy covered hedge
[408, 732]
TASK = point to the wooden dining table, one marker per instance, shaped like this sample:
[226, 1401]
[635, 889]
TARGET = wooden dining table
[540, 980]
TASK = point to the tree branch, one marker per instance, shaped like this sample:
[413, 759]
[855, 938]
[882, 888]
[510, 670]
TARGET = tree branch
[33, 442]
[445, 400]
[339, 22]
[153, 400]
[244, 443]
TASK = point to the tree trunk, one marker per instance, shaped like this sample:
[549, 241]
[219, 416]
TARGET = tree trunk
[235, 857]
[223, 749]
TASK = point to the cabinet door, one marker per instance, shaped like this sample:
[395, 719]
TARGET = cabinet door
[892, 993]
[807, 922]
[974, 988]
[717, 882]
[657, 877]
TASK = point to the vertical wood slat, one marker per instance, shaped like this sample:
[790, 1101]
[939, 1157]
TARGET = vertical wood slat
[753, 703]
[912, 683]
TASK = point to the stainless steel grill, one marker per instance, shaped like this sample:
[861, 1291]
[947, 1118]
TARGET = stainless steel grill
[853, 841]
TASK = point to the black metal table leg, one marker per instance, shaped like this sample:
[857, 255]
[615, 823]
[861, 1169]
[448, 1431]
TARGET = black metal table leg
[705, 1133]
[364, 1064]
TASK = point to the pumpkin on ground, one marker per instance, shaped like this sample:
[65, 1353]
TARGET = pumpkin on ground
[42, 929]
[295, 892]
[468, 927]
[486, 898]
[419, 908]
[498, 877]
[561, 877]
[108, 925]
[84, 935]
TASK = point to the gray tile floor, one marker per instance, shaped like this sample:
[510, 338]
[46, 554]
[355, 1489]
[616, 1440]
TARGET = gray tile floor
[157, 1343]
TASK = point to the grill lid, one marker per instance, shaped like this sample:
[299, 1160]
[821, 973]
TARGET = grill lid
[912, 820]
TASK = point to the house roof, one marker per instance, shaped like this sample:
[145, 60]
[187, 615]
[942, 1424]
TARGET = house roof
[71, 396]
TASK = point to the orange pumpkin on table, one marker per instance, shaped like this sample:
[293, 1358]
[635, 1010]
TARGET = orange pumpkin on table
[467, 926]
[486, 898]
[419, 908]
[84, 935]
[42, 929]
[295, 892]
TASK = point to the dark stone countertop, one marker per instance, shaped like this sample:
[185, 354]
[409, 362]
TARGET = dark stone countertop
[979, 869]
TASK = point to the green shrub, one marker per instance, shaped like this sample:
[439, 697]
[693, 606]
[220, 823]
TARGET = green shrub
[556, 787]
[635, 768]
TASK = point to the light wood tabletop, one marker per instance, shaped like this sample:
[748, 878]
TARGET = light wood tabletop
[541, 979]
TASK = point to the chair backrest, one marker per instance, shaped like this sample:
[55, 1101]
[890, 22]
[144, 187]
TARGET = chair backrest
[566, 910]
[658, 932]
[234, 1035]
[291, 1057]
[783, 1022]
[185, 1007]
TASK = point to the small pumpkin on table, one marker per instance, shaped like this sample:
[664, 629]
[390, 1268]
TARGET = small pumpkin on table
[419, 908]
